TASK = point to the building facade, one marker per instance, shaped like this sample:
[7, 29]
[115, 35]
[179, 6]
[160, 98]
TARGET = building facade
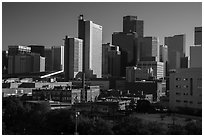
[176, 50]
[130, 48]
[198, 36]
[156, 67]
[134, 74]
[132, 24]
[111, 57]
[91, 34]
[150, 47]
[186, 89]
[195, 56]
[73, 57]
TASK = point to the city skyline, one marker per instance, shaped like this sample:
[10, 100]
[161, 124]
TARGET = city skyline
[22, 24]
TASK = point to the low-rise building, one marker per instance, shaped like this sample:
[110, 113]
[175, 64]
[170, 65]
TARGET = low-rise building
[186, 89]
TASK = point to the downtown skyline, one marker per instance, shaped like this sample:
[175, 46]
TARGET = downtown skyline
[47, 23]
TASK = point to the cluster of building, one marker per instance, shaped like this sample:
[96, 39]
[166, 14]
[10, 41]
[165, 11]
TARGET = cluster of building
[133, 63]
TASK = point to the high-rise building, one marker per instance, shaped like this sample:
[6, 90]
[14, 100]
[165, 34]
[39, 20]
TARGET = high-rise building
[150, 48]
[186, 89]
[54, 58]
[163, 53]
[198, 36]
[164, 57]
[176, 49]
[129, 47]
[48, 59]
[4, 62]
[184, 62]
[72, 57]
[91, 34]
[195, 56]
[111, 56]
[132, 24]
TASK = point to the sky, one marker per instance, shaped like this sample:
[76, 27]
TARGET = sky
[48, 23]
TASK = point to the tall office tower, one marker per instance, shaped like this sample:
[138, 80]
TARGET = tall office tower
[91, 34]
[131, 24]
[163, 53]
[19, 59]
[198, 36]
[196, 51]
[73, 57]
[54, 58]
[110, 60]
[38, 49]
[164, 57]
[195, 56]
[4, 62]
[150, 48]
[176, 49]
[48, 59]
[129, 47]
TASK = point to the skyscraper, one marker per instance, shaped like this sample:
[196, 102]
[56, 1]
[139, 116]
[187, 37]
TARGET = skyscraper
[150, 48]
[72, 57]
[132, 24]
[176, 50]
[198, 36]
[130, 49]
[110, 60]
[91, 34]
[195, 56]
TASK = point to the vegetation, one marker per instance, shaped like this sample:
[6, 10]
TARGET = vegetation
[20, 118]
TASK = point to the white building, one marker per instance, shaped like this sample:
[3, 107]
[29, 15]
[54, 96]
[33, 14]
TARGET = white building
[91, 34]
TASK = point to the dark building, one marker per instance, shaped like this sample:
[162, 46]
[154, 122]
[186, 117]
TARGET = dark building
[146, 87]
[72, 57]
[198, 36]
[4, 62]
[38, 49]
[48, 59]
[111, 57]
[176, 50]
[129, 47]
[184, 62]
[131, 24]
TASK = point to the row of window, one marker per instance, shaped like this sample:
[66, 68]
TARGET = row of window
[185, 79]
[180, 93]
[179, 86]
[190, 102]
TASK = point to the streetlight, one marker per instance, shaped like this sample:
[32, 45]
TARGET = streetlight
[76, 117]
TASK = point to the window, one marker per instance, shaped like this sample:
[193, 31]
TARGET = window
[191, 86]
[178, 86]
[191, 102]
[178, 93]
[185, 79]
[199, 102]
[178, 101]
[185, 86]
[185, 101]
[178, 79]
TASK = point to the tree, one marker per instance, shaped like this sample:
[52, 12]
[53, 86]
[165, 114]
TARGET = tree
[176, 130]
[193, 128]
